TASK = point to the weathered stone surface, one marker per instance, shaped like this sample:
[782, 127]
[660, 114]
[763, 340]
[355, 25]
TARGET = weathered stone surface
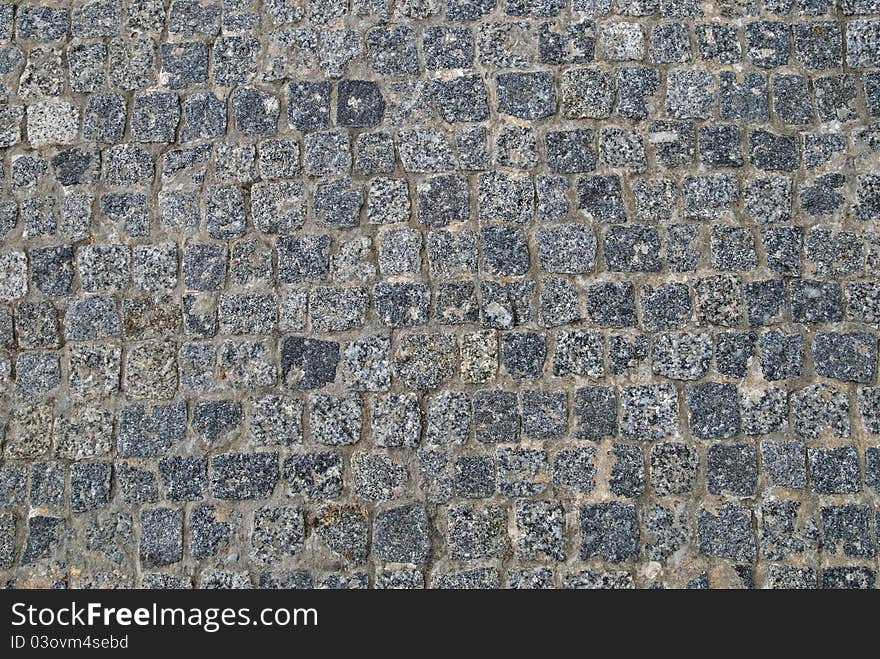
[487, 285]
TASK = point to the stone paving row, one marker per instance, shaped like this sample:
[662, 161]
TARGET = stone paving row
[439, 293]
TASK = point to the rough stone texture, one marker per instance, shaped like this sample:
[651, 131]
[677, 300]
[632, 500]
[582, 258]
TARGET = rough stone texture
[440, 293]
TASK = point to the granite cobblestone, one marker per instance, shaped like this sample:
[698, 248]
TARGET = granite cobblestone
[444, 293]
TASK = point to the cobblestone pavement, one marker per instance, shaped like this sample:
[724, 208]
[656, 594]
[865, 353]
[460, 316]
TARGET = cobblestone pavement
[441, 293]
